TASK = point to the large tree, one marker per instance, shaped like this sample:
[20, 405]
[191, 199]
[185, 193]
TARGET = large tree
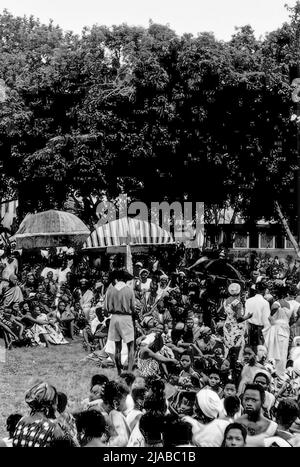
[146, 112]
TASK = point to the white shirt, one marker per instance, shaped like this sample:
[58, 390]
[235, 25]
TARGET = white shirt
[260, 308]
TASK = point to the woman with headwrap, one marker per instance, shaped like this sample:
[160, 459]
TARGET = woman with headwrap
[11, 292]
[143, 284]
[234, 328]
[150, 358]
[40, 428]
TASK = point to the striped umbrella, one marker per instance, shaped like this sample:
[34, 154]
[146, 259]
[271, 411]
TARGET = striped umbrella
[127, 231]
[50, 228]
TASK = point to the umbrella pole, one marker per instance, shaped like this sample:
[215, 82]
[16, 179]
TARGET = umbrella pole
[128, 257]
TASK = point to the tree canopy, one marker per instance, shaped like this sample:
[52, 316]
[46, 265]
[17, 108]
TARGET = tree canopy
[146, 112]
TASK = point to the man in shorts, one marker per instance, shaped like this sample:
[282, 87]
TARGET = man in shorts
[120, 302]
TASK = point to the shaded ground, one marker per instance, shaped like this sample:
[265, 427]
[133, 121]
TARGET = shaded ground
[58, 365]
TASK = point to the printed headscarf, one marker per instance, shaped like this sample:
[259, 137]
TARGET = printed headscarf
[41, 397]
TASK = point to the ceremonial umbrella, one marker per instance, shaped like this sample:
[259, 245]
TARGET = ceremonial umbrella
[127, 231]
[50, 229]
[218, 267]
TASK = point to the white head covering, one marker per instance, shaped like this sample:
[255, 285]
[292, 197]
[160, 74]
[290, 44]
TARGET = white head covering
[148, 340]
[234, 289]
[209, 402]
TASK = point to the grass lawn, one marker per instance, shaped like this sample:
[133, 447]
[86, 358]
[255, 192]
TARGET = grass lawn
[58, 365]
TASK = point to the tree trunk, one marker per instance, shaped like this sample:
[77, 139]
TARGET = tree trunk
[287, 229]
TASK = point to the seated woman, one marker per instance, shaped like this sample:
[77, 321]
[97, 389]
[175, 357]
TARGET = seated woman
[95, 333]
[12, 329]
[40, 427]
[150, 360]
[34, 328]
[51, 323]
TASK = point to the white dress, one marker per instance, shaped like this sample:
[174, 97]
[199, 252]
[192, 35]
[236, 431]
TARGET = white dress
[277, 337]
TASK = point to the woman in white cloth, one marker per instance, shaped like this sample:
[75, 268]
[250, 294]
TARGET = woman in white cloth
[207, 408]
[277, 334]
[213, 433]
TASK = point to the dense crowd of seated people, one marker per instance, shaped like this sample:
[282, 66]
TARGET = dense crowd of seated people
[215, 363]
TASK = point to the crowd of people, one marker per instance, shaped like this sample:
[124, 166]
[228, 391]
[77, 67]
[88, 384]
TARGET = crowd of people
[200, 360]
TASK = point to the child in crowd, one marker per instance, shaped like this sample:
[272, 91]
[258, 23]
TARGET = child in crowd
[94, 401]
[187, 372]
[214, 381]
[230, 390]
[263, 379]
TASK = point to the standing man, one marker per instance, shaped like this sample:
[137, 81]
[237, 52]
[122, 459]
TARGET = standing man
[259, 308]
[120, 302]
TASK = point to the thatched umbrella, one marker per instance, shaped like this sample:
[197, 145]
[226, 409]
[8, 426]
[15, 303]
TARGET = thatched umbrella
[50, 228]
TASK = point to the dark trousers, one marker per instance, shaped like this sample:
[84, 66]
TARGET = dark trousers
[255, 336]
